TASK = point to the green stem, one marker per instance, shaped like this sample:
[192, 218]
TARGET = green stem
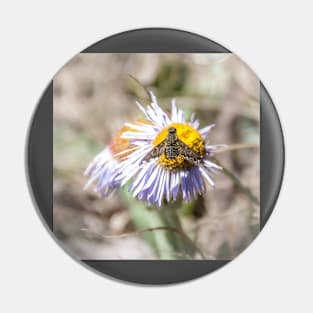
[162, 230]
[144, 218]
[185, 246]
[238, 183]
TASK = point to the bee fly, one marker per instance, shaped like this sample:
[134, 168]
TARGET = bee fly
[173, 147]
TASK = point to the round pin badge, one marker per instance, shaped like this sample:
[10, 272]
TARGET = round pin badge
[155, 156]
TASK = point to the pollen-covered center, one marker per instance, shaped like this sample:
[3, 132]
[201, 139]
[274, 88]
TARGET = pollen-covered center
[187, 135]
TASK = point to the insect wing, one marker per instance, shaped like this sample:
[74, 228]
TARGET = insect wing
[190, 155]
[155, 152]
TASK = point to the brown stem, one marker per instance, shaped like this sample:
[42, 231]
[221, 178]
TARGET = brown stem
[238, 183]
[237, 146]
[142, 231]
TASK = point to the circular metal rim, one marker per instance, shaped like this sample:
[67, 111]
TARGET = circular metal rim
[39, 156]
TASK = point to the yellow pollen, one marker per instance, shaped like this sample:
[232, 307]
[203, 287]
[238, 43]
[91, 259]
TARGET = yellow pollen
[189, 136]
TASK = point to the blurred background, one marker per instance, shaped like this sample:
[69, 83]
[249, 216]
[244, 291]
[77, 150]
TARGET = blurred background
[95, 94]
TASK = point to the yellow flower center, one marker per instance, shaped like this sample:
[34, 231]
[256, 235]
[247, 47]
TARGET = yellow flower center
[189, 136]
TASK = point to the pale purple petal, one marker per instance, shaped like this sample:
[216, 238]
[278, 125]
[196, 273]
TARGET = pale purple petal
[150, 181]
[205, 131]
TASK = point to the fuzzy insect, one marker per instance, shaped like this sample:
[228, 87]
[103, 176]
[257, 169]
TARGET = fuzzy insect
[173, 147]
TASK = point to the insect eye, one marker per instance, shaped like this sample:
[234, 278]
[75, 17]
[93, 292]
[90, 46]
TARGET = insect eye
[172, 130]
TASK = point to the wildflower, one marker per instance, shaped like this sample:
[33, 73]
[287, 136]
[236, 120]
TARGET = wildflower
[171, 156]
[102, 168]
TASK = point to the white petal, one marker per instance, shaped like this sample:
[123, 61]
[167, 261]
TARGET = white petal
[205, 131]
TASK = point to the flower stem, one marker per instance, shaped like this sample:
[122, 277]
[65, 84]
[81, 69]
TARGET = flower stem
[161, 228]
[238, 183]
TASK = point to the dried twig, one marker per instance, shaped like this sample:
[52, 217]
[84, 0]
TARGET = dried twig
[237, 146]
[238, 183]
[140, 85]
[143, 231]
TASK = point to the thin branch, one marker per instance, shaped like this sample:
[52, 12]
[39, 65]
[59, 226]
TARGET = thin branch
[237, 146]
[142, 231]
[238, 183]
[141, 85]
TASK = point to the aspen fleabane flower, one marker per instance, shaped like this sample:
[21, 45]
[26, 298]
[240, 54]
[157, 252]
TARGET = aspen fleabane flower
[158, 168]
[102, 168]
